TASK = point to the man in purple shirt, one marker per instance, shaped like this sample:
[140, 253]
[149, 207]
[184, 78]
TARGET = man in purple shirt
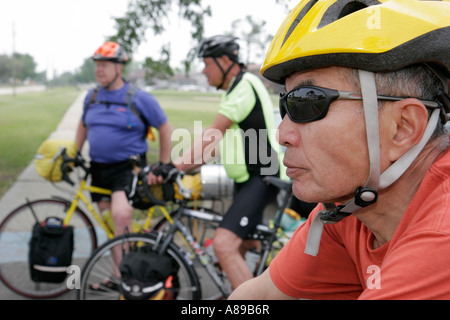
[115, 128]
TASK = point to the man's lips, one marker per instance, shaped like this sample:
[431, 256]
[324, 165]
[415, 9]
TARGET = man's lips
[291, 169]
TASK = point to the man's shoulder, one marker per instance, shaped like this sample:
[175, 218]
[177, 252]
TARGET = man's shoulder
[242, 84]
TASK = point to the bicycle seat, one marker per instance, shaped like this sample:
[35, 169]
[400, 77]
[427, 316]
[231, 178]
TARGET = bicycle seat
[280, 184]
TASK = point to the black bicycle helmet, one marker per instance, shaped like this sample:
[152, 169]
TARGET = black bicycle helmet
[220, 45]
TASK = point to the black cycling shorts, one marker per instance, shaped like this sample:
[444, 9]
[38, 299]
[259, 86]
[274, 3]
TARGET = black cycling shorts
[247, 209]
[113, 176]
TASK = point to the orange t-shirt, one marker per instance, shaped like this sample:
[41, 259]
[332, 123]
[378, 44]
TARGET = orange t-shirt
[414, 264]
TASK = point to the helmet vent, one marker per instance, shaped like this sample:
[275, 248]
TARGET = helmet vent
[299, 17]
[350, 8]
[344, 8]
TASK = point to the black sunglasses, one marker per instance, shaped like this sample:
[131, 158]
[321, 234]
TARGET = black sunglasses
[311, 103]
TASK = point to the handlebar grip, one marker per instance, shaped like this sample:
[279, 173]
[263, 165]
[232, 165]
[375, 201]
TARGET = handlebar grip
[152, 198]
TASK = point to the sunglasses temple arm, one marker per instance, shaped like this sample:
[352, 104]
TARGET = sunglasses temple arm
[357, 96]
[345, 95]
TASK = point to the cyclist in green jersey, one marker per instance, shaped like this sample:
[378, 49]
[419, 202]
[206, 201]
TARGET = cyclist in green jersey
[245, 128]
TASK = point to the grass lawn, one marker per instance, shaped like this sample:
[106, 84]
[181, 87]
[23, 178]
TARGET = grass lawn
[28, 119]
[183, 109]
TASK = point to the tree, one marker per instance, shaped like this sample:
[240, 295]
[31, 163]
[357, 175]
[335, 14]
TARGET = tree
[253, 34]
[158, 68]
[86, 73]
[19, 66]
[144, 15]
[25, 66]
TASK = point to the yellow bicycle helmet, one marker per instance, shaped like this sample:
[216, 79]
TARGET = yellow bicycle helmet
[370, 36]
[373, 35]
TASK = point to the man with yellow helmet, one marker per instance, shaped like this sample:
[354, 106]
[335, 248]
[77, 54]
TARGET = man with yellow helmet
[364, 129]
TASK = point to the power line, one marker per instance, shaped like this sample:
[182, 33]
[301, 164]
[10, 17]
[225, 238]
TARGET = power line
[13, 62]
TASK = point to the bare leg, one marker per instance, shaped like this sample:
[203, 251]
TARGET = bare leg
[227, 248]
[121, 212]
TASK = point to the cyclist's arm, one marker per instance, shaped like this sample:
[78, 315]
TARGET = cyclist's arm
[165, 144]
[202, 150]
[259, 288]
[81, 134]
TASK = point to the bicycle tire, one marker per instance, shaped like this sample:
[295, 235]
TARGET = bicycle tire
[99, 268]
[15, 234]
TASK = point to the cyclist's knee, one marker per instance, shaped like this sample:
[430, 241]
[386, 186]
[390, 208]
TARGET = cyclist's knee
[121, 210]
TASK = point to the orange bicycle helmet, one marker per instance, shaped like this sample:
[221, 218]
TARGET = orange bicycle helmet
[110, 51]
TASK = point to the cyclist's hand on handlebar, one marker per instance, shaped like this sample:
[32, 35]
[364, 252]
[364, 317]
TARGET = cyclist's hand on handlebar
[162, 173]
[79, 158]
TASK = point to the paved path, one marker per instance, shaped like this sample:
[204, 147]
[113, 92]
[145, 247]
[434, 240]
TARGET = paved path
[30, 184]
[21, 89]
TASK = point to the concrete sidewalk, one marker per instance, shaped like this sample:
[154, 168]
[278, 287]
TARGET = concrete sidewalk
[30, 185]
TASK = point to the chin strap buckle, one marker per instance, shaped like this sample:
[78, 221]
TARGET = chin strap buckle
[335, 216]
[363, 197]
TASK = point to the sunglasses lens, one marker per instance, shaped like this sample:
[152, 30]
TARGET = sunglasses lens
[306, 104]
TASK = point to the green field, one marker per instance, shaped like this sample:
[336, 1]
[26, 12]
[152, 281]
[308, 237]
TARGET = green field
[28, 119]
[183, 109]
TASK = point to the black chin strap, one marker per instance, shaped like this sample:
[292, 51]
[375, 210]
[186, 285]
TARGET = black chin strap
[367, 195]
[364, 196]
[114, 80]
[224, 73]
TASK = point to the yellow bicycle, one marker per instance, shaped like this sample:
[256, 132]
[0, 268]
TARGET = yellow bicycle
[16, 232]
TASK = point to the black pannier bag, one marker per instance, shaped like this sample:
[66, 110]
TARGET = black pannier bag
[145, 275]
[51, 248]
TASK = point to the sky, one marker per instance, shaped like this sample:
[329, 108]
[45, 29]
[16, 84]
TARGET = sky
[60, 34]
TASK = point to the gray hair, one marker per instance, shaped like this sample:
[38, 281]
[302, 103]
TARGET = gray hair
[416, 81]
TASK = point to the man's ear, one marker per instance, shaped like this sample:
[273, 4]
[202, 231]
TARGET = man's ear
[409, 121]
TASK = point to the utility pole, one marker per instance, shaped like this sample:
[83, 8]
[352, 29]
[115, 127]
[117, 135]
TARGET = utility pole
[13, 62]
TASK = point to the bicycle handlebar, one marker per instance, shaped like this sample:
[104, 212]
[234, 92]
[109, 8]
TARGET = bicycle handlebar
[142, 175]
[66, 167]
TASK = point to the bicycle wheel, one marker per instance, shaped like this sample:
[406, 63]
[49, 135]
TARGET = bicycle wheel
[102, 266]
[15, 234]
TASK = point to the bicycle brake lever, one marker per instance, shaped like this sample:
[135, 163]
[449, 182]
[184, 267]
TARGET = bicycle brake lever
[66, 178]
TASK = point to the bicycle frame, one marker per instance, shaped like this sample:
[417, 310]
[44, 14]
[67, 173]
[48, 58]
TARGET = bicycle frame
[204, 258]
[79, 195]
